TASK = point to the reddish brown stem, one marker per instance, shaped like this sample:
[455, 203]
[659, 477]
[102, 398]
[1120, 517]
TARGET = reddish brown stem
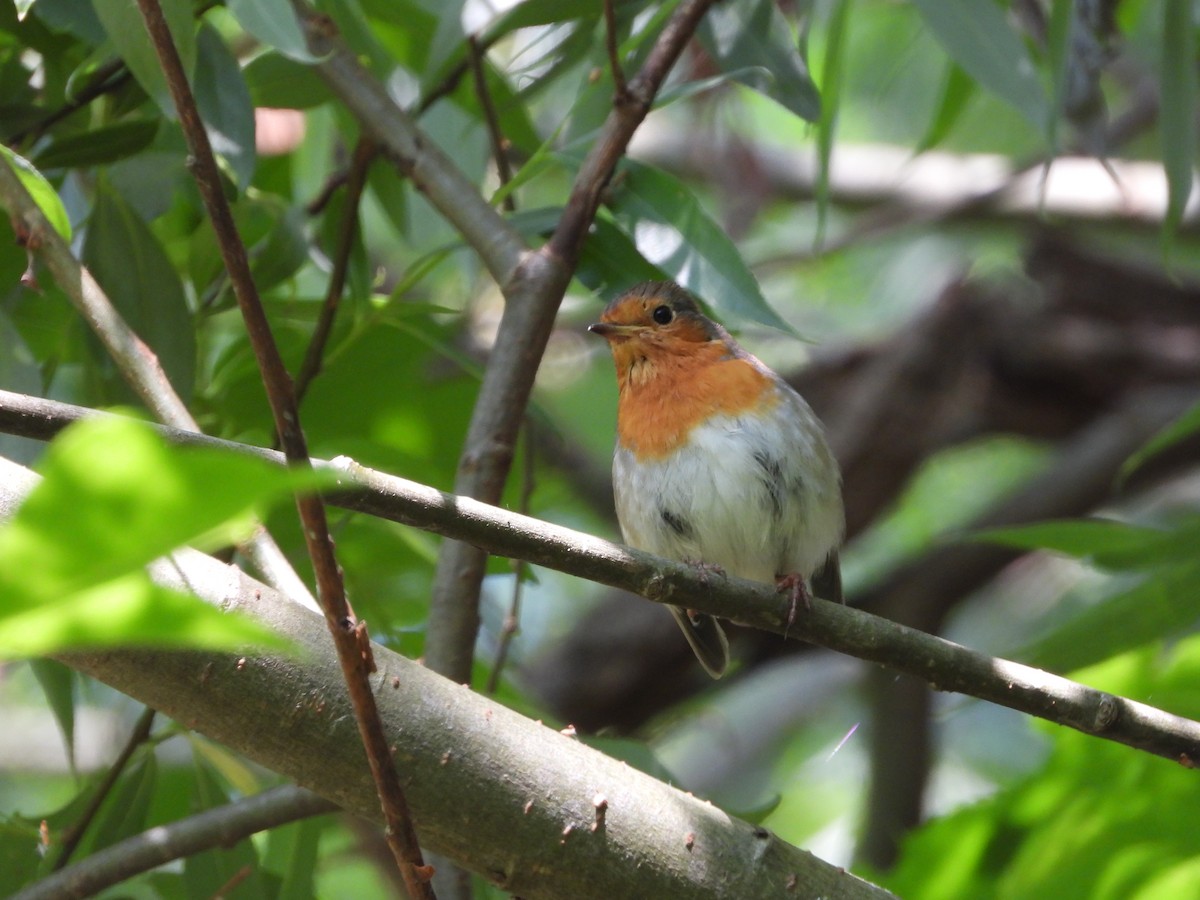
[348, 635]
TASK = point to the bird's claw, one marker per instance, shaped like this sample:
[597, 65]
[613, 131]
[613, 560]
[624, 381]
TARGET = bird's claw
[794, 585]
[705, 569]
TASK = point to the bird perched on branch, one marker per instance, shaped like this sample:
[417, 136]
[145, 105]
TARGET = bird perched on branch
[718, 461]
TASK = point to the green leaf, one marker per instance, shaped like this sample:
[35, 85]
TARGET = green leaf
[224, 103]
[292, 851]
[129, 263]
[126, 811]
[274, 23]
[745, 34]
[957, 90]
[531, 13]
[279, 82]
[1058, 53]
[1178, 115]
[58, 684]
[126, 29]
[831, 81]
[1183, 427]
[1109, 544]
[673, 233]
[98, 146]
[113, 498]
[977, 35]
[1162, 605]
[41, 191]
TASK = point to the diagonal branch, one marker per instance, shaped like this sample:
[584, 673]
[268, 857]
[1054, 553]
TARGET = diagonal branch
[942, 664]
[349, 636]
[136, 361]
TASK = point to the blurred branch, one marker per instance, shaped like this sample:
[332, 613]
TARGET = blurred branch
[221, 827]
[940, 663]
[134, 359]
[508, 797]
[349, 636]
[73, 835]
[360, 164]
[478, 59]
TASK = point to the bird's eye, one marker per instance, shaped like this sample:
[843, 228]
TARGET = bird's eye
[662, 314]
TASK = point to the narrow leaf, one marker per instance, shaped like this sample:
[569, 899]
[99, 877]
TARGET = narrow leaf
[1178, 84]
[40, 190]
[977, 35]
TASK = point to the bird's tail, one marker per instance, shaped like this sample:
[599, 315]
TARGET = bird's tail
[707, 638]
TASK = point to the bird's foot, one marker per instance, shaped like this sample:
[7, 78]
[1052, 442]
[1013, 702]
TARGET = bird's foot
[705, 569]
[797, 590]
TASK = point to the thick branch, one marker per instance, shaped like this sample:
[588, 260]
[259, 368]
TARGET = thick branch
[507, 797]
[940, 663]
[349, 637]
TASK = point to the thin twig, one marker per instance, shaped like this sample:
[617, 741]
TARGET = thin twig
[73, 835]
[360, 164]
[512, 621]
[108, 77]
[349, 636]
[222, 826]
[614, 59]
[942, 664]
[499, 144]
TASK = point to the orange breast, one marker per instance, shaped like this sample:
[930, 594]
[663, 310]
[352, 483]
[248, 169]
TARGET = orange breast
[665, 395]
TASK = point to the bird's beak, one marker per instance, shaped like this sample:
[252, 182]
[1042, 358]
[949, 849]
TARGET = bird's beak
[610, 330]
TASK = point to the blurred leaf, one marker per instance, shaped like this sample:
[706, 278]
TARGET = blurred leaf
[41, 191]
[1058, 54]
[211, 873]
[1178, 115]
[672, 231]
[126, 29]
[292, 852]
[78, 19]
[1108, 544]
[98, 146]
[125, 811]
[831, 82]
[1184, 427]
[1162, 605]
[224, 103]
[530, 13]
[58, 684]
[274, 23]
[957, 90]
[753, 34]
[276, 81]
[114, 497]
[129, 263]
[977, 35]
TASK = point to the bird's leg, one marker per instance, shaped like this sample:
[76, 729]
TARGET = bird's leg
[797, 589]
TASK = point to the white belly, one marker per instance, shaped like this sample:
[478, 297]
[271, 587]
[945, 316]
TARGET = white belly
[743, 493]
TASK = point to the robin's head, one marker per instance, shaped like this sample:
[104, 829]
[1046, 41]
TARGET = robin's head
[652, 321]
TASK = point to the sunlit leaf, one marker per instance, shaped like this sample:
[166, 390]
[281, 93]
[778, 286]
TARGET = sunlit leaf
[40, 190]
[753, 34]
[674, 233]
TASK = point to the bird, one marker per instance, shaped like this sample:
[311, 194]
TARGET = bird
[719, 462]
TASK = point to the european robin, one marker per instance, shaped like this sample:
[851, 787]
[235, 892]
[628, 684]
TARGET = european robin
[718, 462]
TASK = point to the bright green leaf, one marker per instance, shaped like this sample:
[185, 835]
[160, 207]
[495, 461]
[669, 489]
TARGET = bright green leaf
[673, 233]
[130, 264]
[274, 23]
[41, 191]
[1109, 544]
[126, 29]
[957, 91]
[753, 34]
[977, 35]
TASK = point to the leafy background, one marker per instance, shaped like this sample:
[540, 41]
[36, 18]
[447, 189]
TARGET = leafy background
[1012, 808]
